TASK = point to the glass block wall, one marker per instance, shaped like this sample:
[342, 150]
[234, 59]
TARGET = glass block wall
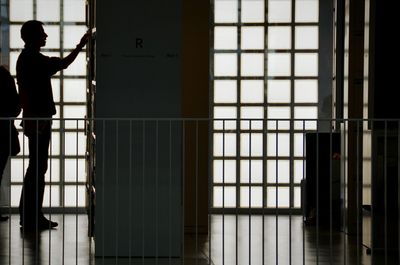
[264, 66]
[64, 23]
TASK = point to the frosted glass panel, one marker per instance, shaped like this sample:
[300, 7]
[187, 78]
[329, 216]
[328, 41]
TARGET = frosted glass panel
[53, 38]
[278, 113]
[224, 146]
[252, 91]
[70, 196]
[74, 112]
[305, 113]
[278, 91]
[252, 11]
[306, 11]
[279, 37]
[279, 64]
[278, 145]
[252, 64]
[226, 198]
[306, 64]
[53, 171]
[225, 64]
[78, 67]
[251, 171]
[74, 10]
[297, 197]
[306, 37]
[224, 171]
[225, 113]
[55, 144]
[225, 11]
[18, 169]
[55, 196]
[280, 168]
[255, 143]
[23, 141]
[75, 90]
[306, 91]
[21, 10]
[251, 113]
[74, 173]
[48, 10]
[252, 38]
[15, 37]
[299, 144]
[225, 38]
[15, 195]
[298, 170]
[283, 197]
[13, 62]
[55, 85]
[225, 91]
[254, 195]
[279, 11]
[75, 146]
[72, 35]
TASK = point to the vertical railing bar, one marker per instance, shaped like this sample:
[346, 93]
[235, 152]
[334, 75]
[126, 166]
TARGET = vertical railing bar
[183, 188]
[37, 194]
[156, 195]
[357, 190]
[50, 197]
[250, 191]
[130, 192]
[373, 142]
[264, 181]
[385, 158]
[303, 178]
[196, 186]
[345, 152]
[196, 195]
[143, 183]
[76, 191]
[89, 179]
[23, 195]
[223, 192]
[210, 194]
[169, 196]
[62, 125]
[330, 195]
[317, 196]
[9, 193]
[117, 190]
[276, 192]
[103, 187]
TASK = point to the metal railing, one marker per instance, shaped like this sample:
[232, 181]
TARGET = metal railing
[180, 191]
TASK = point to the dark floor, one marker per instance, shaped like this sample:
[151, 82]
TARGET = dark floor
[69, 244]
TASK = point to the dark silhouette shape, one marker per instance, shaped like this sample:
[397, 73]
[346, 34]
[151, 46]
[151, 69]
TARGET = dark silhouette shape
[9, 108]
[34, 71]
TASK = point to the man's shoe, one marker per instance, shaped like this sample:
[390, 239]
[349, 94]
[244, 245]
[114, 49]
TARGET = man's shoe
[42, 225]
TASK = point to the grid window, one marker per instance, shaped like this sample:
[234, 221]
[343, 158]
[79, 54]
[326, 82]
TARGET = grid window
[64, 23]
[265, 73]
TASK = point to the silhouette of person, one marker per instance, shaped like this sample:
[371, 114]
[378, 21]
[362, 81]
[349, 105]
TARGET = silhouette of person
[34, 71]
[9, 108]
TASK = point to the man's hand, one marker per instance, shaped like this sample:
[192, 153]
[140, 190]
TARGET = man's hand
[84, 39]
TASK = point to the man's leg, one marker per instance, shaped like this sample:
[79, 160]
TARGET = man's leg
[33, 188]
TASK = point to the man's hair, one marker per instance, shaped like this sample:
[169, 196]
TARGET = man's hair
[30, 30]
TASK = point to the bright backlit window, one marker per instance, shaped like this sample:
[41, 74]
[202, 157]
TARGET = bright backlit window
[264, 66]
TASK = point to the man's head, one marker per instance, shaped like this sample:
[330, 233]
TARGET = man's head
[32, 33]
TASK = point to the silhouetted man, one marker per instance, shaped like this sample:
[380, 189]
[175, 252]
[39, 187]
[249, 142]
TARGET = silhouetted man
[34, 71]
[9, 108]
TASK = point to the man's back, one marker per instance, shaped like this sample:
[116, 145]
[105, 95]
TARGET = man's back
[34, 71]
